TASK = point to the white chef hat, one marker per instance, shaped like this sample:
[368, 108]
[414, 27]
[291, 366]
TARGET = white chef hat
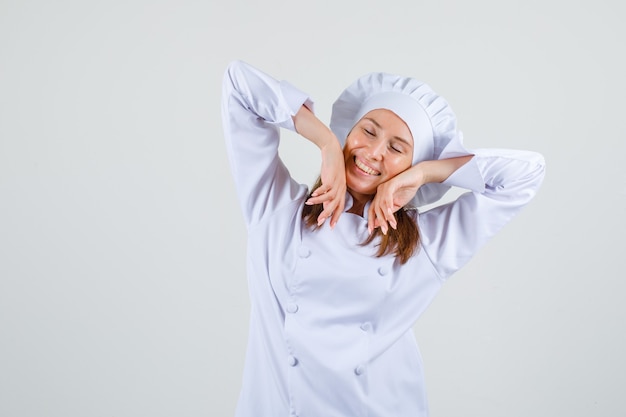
[429, 117]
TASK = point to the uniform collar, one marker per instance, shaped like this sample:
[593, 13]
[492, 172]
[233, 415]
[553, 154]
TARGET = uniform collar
[350, 201]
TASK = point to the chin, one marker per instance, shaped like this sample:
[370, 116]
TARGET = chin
[360, 189]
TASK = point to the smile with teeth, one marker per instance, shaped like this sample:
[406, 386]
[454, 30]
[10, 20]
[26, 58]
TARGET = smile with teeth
[364, 167]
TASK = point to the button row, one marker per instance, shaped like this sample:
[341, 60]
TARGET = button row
[293, 361]
[304, 252]
[292, 308]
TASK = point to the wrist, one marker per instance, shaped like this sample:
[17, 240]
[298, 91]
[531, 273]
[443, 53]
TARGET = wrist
[327, 142]
[419, 173]
[312, 129]
[440, 169]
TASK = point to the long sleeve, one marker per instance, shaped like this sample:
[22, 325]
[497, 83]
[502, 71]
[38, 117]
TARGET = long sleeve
[254, 108]
[501, 183]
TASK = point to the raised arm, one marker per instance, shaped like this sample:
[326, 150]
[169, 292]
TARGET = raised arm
[398, 191]
[254, 108]
[501, 183]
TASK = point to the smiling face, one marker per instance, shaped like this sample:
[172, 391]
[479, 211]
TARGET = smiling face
[378, 147]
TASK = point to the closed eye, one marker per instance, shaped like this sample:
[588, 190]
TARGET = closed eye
[368, 132]
[396, 148]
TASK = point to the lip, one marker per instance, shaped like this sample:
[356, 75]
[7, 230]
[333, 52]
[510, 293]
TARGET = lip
[365, 168]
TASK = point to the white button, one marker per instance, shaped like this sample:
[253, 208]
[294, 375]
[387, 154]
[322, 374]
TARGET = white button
[292, 308]
[291, 360]
[383, 270]
[359, 370]
[366, 327]
[304, 252]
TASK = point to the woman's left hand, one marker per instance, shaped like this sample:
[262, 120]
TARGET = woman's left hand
[391, 196]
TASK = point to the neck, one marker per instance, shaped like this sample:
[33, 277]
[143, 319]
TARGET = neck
[358, 203]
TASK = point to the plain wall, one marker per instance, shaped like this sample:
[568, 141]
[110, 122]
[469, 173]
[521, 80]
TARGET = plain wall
[122, 281]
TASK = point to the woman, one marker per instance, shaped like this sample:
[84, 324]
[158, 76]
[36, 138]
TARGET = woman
[338, 277]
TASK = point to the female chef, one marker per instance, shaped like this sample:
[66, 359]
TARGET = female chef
[338, 276]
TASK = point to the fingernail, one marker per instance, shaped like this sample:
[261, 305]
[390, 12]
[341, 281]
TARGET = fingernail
[308, 203]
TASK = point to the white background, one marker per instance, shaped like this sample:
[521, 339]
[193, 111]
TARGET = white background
[122, 282]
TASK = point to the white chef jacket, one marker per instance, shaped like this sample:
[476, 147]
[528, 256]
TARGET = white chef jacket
[331, 324]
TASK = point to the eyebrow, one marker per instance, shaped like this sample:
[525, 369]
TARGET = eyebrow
[380, 127]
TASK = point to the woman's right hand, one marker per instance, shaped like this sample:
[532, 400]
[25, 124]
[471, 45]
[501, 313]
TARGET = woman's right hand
[332, 192]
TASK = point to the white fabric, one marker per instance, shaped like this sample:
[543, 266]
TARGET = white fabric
[331, 325]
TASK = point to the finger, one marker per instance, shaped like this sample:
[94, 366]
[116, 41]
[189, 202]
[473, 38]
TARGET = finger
[320, 199]
[338, 212]
[380, 216]
[322, 189]
[333, 208]
[393, 222]
[391, 219]
[330, 208]
[386, 210]
[327, 212]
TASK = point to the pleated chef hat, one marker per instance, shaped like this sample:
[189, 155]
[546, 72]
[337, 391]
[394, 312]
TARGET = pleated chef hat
[428, 116]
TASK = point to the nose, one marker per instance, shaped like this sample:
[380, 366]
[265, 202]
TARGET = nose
[376, 149]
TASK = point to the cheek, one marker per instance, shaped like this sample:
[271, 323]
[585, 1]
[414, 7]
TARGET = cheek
[346, 152]
[353, 141]
[348, 146]
[399, 165]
